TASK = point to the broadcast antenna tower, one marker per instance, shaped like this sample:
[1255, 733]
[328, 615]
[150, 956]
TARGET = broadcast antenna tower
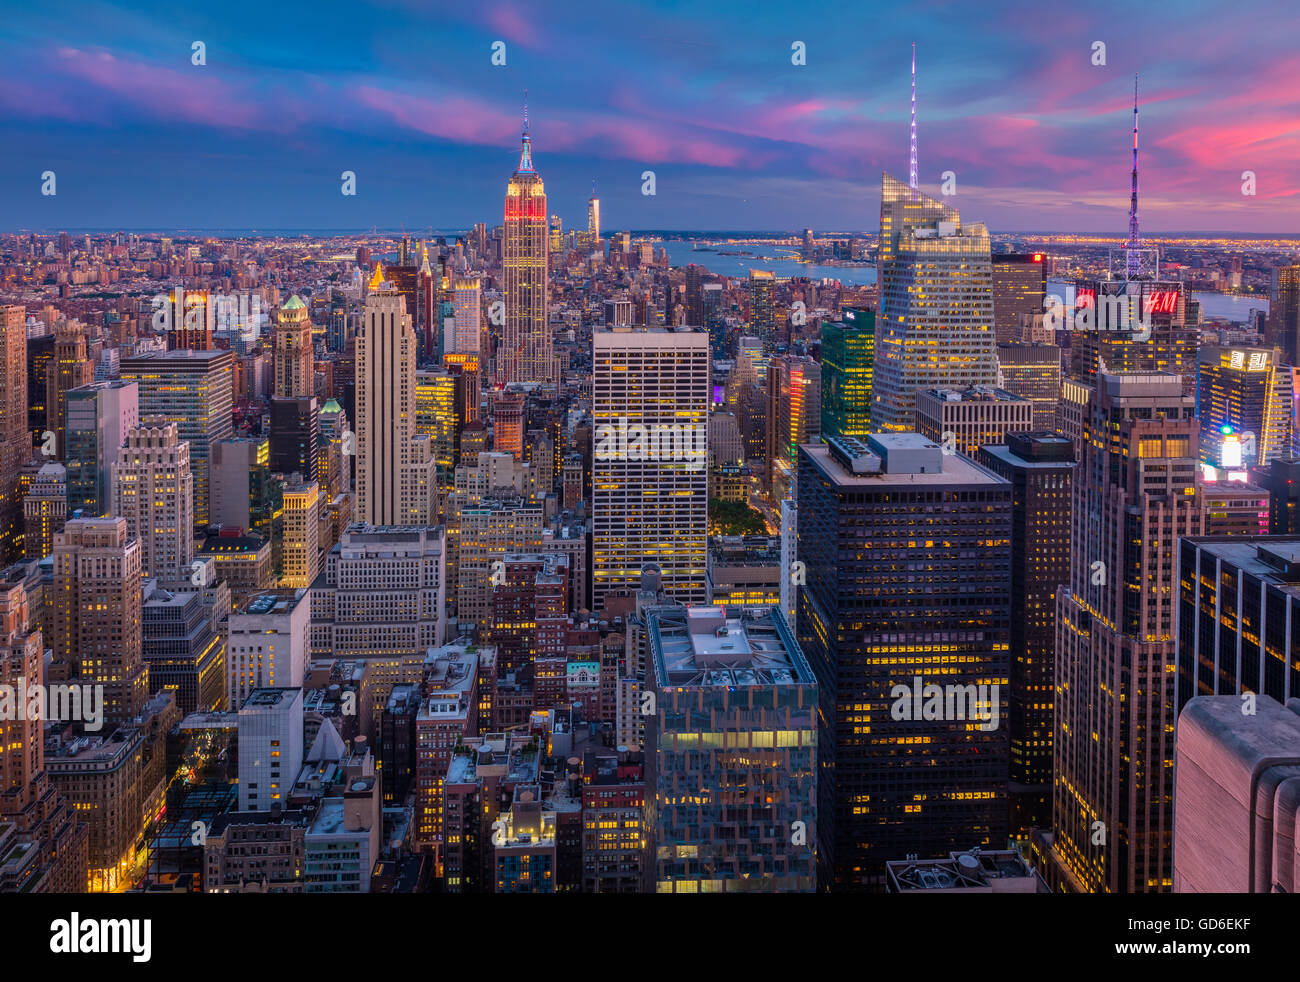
[912, 172]
[1139, 263]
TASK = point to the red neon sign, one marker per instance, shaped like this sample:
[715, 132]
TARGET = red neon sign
[1161, 302]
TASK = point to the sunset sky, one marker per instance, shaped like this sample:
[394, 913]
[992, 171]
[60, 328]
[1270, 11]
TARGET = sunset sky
[704, 94]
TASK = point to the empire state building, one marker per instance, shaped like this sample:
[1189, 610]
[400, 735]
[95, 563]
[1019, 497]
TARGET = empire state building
[525, 354]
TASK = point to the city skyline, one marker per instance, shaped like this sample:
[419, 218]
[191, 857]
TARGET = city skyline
[738, 135]
[888, 553]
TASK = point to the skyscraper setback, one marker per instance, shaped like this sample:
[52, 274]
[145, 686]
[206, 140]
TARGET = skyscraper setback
[192, 389]
[96, 615]
[936, 303]
[396, 471]
[153, 489]
[1135, 493]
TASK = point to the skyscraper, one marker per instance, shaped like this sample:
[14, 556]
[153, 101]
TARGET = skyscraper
[508, 424]
[436, 417]
[695, 296]
[1243, 400]
[1238, 617]
[1282, 328]
[794, 389]
[68, 368]
[15, 444]
[269, 643]
[29, 803]
[1040, 467]
[907, 556]
[270, 747]
[302, 504]
[936, 305]
[192, 389]
[45, 510]
[734, 707]
[396, 478]
[153, 489]
[1019, 288]
[1135, 494]
[469, 317]
[95, 614]
[190, 320]
[526, 353]
[295, 436]
[245, 493]
[99, 417]
[593, 218]
[294, 371]
[848, 355]
[762, 310]
[972, 417]
[650, 406]
[1033, 372]
[1133, 325]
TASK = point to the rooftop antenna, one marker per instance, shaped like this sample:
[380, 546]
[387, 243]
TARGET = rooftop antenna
[913, 168]
[526, 154]
[1139, 263]
[1134, 235]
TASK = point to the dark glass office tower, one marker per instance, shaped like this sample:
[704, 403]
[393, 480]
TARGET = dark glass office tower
[1238, 616]
[1019, 287]
[1281, 479]
[1040, 467]
[848, 353]
[295, 435]
[1283, 325]
[907, 559]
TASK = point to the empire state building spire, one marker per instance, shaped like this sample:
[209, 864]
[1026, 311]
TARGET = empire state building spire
[526, 154]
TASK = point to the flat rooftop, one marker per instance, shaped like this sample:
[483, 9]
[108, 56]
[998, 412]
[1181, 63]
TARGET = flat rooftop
[702, 646]
[955, 469]
[1275, 559]
[274, 602]
[975, 393]
[977, 871]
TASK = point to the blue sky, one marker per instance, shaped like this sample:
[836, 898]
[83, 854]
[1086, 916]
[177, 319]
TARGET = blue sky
[704, 94]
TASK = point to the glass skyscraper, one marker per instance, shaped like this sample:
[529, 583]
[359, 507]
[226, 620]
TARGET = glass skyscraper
[936, 303]
[848, 355]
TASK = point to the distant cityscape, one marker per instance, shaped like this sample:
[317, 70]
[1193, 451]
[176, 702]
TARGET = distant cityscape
[520, 558]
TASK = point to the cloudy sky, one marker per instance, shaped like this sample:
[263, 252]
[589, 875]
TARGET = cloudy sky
[405, 94]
